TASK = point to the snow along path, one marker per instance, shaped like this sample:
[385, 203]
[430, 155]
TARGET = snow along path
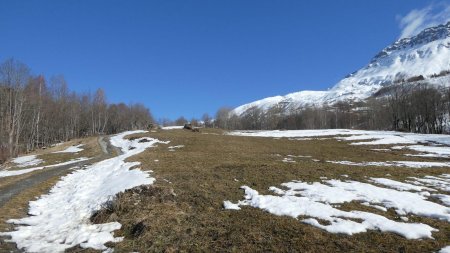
[9, 173]
[317, 202]
[60, 219]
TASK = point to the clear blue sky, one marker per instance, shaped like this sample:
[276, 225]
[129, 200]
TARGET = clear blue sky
[190, 57]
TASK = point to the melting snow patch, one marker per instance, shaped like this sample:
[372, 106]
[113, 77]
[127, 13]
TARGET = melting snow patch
[231, 206]
[288, 160]
[60, 219]
[172, 148]
[172, 127]
[445, 250]
[25, 161]
[440, 183]
[399, 185]
[360, 137]
[430, 151]
[408, 164]
[71, 149]
[9, 173]
[316, 201]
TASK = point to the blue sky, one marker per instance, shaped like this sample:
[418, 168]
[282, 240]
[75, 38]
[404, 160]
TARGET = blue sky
[190, 57]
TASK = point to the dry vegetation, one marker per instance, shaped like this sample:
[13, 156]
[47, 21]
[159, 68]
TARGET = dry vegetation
[183, 210]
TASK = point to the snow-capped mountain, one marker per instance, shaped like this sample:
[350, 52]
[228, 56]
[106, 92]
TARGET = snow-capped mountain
[425, 54]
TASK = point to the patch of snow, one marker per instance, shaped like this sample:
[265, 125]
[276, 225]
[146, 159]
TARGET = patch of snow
[441, 183]
[399, 185]
[445, 249]
[299, 156]
[318, 201]
[60, 219]
[9, 173]
[178, 146]
[443, 198]
[25, 161]
[71, 149]
[339, 221]
[432, 151]
[357, 137]
[230, 206]
[172, 148]
[288, 160]
[408, 164]
[172, 127]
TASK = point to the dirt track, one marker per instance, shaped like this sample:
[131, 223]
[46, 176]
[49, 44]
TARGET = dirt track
[9, 191]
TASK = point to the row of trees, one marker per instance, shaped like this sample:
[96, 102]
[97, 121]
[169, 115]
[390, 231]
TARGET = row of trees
[35, 112]
[420, 108]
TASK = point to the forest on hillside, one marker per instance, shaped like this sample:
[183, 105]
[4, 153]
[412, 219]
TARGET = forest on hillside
[417, 107]
[36, 112]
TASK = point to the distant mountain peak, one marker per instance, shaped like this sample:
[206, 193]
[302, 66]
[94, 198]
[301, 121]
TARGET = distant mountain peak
[426, 36]
[426, 54]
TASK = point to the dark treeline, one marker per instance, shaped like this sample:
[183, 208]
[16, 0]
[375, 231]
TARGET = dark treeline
[420, 108]
[35, 112]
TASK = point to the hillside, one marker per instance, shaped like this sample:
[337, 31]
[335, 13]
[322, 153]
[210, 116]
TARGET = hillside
[427, 54]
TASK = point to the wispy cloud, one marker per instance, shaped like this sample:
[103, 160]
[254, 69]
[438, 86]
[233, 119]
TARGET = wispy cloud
[419, 19]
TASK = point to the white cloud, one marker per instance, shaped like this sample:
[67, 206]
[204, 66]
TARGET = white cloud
[419, 19]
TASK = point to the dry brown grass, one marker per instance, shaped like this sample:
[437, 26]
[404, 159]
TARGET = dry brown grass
[183, 210]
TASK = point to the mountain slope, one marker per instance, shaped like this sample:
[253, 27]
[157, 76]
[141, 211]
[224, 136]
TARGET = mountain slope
[425, 54]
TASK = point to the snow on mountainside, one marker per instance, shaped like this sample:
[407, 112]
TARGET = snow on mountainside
[425, 54]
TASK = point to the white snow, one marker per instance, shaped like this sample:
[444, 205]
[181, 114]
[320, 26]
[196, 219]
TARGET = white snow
[25, 161]
[172, 148]
[443, 198]
[408, 164]
[71, 149]
[441, 182]
[313, 202]
[9, 173]
[445, 249]
[399, 185]
[361, 137]
[60, 219]
[230, 206]
[177, 146]
[172, 127]
[430, 151]
[407, 58]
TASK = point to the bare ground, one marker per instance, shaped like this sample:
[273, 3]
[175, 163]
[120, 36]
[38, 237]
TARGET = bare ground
[182, 211]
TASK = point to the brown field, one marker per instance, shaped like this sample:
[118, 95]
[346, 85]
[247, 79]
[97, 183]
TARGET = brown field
[182, 211]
